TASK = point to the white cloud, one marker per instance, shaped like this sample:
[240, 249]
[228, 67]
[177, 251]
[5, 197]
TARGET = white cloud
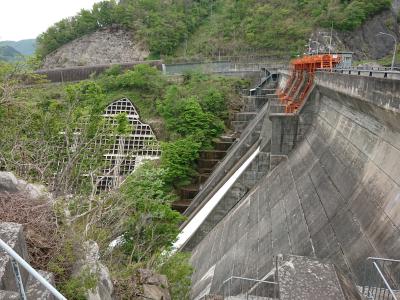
[24, 19]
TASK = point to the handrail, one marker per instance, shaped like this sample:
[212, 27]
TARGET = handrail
[384, 280]
[211, 182]
[383, 259]
[31, 270]
[250, 288]
[248, 279]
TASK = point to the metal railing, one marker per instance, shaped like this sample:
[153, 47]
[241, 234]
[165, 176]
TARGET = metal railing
[16, 261]
[381, 279]
[367, 72]
[247, 288]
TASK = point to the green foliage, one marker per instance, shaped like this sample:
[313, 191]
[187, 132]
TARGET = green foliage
[178, 271]
[186, 117]
[123, 125]
[162, 24]
[73, 287]
[194, 114]
[153, 226]
[143, 78]
[178, 158]
[276, 27]
[40, 142]
[76, 288]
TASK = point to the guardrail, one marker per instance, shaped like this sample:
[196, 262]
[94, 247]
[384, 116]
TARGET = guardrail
[381, 279]
[17, 260]
[248, 288]
[367, 72]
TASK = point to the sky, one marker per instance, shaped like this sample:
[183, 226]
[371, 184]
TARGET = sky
[26, 19]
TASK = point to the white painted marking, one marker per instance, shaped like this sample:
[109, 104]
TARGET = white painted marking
[201, 216]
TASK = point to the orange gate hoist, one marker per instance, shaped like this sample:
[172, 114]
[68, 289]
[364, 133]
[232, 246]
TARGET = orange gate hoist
[301, 79]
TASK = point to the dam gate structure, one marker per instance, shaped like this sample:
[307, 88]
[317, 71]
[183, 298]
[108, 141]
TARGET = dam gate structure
[323, 221]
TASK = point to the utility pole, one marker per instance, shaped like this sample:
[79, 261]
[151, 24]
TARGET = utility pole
[330, 41]
[395, 47]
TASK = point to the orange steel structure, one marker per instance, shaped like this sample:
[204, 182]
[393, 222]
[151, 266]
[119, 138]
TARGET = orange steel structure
[301, 80]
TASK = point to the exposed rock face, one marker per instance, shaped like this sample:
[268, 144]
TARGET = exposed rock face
[10, 184]
[363, 41]
[90, 262]
[155, 286]
[106, 46]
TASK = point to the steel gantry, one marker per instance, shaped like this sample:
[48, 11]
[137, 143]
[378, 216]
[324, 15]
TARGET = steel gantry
[301, 79]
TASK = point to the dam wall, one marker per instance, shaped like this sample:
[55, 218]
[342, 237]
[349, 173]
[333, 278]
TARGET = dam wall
[335, 196]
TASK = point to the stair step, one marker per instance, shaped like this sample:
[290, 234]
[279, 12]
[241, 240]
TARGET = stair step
[244, 116]
[212, 154]
[239, 126]
[203, 178]
[205, 170]
[207, 163]
[189, 192]
[227, 138]
[222, 145]
[181, 205]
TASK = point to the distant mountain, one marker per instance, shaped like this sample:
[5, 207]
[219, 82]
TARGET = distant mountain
[25, 47]
[8, 53]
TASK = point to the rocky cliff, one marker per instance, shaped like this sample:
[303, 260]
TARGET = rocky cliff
[107, 46]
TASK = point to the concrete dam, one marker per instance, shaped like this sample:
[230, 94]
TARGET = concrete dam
[306, 204]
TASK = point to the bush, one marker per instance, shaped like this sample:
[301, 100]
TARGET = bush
[142, 77]
[178, 271]
[153, 225]
[178, 159]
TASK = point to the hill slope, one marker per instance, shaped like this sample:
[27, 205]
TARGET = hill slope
[228, 27]
[25, 47]
[8, 53]
[278, 26]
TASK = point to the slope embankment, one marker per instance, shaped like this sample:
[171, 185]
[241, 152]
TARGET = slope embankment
[335, 196]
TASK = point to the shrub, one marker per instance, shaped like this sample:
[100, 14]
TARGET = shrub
[152, 225]
[178, 160]
[178, 271]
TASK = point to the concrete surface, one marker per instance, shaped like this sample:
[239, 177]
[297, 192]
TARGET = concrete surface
[301, 278]
[335, 197]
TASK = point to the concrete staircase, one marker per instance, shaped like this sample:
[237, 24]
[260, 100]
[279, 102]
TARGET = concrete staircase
[12, 234]
[252, 104]
[210, 158]
[205, 166]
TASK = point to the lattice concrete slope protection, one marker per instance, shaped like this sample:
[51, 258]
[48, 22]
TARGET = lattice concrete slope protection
[130, 150]
[335, 197]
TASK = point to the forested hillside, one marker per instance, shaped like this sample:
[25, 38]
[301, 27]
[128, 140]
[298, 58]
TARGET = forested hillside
[276, 27]
[162, 24]
[8, 53]
[210, 27]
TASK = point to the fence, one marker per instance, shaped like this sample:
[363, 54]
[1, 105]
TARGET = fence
[82, 73]
[381, 279]
[219, 67]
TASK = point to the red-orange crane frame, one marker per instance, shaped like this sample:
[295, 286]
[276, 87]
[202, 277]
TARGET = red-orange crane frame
[294, 93]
